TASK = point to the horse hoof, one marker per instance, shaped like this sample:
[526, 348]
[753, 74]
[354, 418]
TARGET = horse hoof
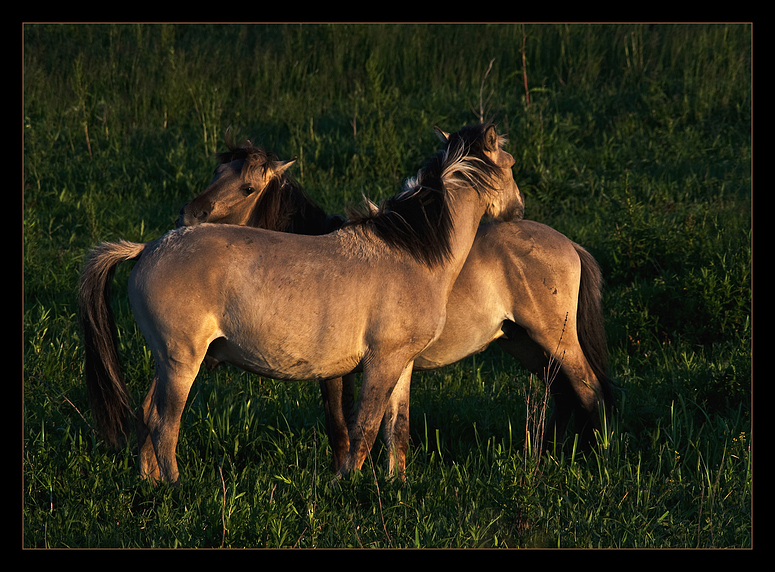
[335, 484]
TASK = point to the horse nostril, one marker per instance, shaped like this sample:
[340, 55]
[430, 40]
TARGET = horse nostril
[191, 216]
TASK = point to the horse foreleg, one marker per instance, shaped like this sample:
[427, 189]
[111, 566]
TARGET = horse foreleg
[395, 425]
[379, 382]
[338, 396]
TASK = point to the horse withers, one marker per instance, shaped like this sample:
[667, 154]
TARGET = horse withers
[277, 304]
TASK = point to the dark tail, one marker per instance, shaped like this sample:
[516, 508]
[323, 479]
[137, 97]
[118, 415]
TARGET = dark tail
[590, 325]
[108, 396]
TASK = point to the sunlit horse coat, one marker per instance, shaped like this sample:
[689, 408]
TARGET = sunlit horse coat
[369, 297]
[524, 285]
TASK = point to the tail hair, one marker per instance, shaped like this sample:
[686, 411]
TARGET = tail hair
[108, 396]
[590, 323]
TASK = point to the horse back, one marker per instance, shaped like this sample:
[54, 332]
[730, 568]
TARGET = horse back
[248, 285]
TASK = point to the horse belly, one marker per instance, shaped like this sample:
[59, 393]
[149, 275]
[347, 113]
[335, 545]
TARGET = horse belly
[281, 363]
[288, 348]
[456, 344]
[476, 310]
[472, 324]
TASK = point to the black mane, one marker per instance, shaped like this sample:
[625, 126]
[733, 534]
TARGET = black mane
[284, 205]
[418, 219]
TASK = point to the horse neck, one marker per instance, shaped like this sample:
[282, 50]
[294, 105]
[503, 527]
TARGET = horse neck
[293, 212]
[467, 210]
[277, 210]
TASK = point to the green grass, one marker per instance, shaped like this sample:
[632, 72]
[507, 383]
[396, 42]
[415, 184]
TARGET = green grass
[635, 141]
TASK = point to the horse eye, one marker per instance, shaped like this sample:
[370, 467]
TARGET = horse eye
[248, 190]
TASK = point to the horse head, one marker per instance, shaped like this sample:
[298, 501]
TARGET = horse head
[240, 182]
[489, 162]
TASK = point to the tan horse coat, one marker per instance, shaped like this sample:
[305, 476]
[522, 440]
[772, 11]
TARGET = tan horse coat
[262, 300]
[524, 285]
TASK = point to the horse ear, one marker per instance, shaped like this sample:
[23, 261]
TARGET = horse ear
[370, 205]
[281, 166]
[443, 135]
[491, 139]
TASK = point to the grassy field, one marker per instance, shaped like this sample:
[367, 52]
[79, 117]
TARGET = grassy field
[633, 140]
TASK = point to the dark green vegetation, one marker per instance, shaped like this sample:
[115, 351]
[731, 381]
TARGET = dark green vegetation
[635, 141]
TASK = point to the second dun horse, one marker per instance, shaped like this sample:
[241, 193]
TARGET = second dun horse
[524, 285]
[369, 297]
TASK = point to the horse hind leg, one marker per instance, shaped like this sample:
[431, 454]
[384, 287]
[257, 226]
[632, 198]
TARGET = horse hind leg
[149, 468]
[338, 396]
[395, 426]
[562, 367]
[589, 402]
[158, 419]
[518, 343]
[577, 393]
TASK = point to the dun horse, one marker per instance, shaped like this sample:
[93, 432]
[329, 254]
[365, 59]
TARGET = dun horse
[524, 285]
[279, 305]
